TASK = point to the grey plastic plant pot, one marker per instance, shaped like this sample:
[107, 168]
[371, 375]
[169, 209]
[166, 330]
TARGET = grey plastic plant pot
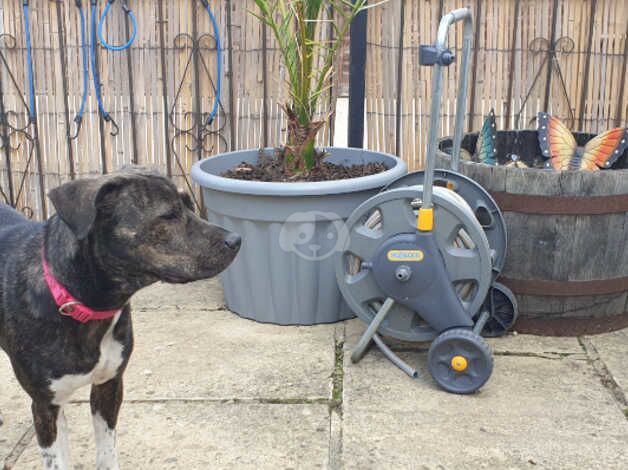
[284, 273]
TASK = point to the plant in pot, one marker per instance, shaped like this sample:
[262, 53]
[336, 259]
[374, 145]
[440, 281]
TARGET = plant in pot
[289, 203]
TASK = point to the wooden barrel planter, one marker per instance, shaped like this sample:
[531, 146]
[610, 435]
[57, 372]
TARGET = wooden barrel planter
[567, 256]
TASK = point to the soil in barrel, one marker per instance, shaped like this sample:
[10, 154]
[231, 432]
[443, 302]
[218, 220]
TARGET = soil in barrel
[270, 169]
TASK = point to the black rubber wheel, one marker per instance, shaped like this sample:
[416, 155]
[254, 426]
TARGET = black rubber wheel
[460, 361]
[504, 311]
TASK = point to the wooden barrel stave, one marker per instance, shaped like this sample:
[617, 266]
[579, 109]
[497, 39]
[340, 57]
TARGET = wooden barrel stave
[555, 258]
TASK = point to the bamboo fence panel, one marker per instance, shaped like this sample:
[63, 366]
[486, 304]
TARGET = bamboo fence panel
[503, 69]
[156, 129]
[160, 90]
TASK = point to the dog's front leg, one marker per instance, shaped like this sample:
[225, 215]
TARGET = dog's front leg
[105, 401]
[52, 435]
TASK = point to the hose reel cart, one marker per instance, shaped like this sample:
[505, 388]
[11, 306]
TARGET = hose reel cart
[421, 258]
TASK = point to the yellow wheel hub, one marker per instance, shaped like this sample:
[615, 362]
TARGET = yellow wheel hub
[459, 363]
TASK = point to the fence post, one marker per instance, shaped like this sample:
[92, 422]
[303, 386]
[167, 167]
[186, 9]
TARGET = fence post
[33, 118]
[164, 85]
[357, 69]
[101, 121]
[477, 15]
[129, 67]
[232, 145]
[198, 111]
[399, 79]
[265, 85]
[513, 49]
[333, 80]
[587, 65]
[64, 83]
[550, 56]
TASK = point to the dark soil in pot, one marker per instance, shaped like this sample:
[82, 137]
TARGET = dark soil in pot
[270, 169]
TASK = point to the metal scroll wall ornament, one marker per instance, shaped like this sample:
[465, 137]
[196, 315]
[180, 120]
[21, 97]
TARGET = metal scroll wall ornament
[194, 130]
[550, 64]
[12, 130]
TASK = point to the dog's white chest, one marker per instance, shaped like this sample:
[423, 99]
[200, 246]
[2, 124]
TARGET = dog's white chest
[107, 367]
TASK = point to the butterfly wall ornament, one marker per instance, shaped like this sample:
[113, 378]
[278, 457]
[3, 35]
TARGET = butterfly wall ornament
[559, 146]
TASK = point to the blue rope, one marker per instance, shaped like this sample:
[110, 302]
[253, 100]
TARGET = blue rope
[214, 111]
[29, 61]
[131, 15]
[79, 115]
[92, 50]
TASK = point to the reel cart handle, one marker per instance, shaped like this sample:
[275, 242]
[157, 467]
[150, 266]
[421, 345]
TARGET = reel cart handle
[439, 56]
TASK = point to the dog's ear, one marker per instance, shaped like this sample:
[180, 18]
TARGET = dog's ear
[187, 200]
[75, 202]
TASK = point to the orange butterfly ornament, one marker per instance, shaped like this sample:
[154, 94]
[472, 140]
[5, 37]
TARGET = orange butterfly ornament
[559, 146]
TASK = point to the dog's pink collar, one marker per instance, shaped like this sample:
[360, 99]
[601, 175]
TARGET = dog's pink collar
[67, 304]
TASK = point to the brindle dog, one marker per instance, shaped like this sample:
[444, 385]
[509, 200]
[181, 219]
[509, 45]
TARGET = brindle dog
[111, 236]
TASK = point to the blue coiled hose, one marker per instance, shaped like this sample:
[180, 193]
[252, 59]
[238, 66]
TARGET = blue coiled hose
[29, 63]
[96, 31]
[214, 111]
[95, 76]
[78, 119]
[130, 14]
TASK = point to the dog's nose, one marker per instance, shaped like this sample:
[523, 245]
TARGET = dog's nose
[233, 241]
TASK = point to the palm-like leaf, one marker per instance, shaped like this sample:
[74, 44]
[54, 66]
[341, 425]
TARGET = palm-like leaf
[308, 60]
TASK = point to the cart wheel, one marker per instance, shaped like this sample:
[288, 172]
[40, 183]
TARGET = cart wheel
[504, 312]
[460, 361]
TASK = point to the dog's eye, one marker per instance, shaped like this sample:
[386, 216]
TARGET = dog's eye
[172, 215]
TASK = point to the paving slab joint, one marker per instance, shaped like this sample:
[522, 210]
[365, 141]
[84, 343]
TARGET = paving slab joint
[607, 379]
[182, 307]
[337, 377]
[335, 404]
[551, 355]
[222, 401]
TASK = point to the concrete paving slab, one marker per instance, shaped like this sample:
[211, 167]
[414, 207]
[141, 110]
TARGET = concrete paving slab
[15, 417]
[533, 413]
[612, 348]
[203, 435]
[516, 344]
[205, 295]
[192, 354]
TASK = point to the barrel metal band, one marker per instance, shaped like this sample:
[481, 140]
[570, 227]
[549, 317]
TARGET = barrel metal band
[566, 288]
[561, 205]
[570, 326]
